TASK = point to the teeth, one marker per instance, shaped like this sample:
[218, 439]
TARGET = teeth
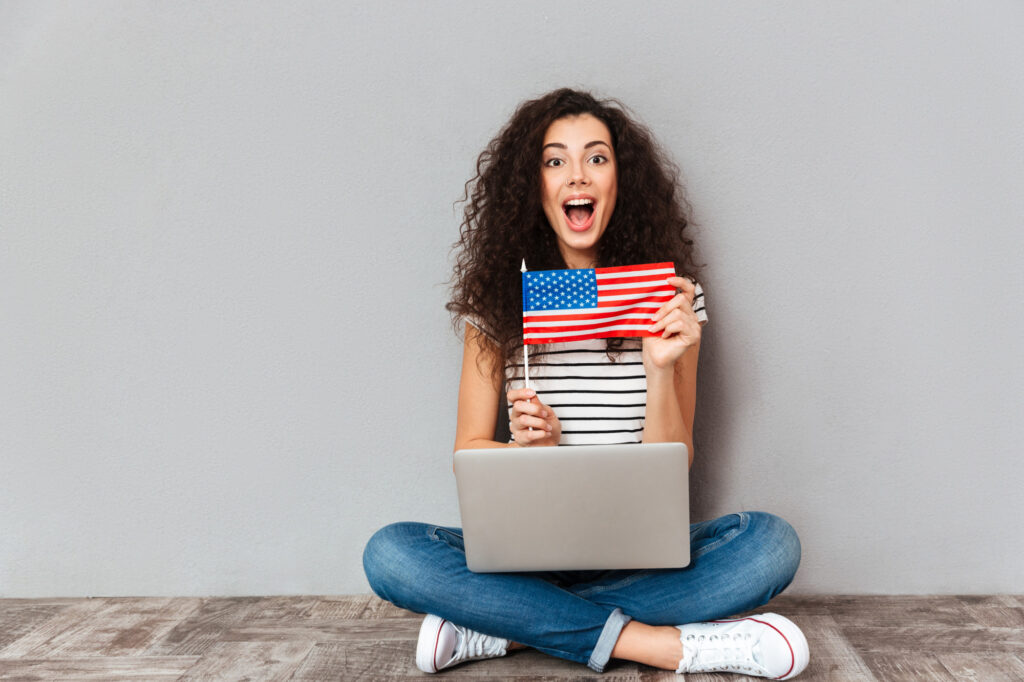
[579, 202]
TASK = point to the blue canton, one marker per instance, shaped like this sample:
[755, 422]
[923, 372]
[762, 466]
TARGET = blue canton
[559, 289]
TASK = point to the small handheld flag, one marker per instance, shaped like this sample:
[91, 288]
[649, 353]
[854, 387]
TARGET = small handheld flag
[593, 303]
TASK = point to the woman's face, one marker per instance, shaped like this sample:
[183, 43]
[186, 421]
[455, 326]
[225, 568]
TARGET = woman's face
[578, 185]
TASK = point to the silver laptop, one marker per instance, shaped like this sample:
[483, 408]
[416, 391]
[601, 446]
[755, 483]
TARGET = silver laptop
[575, 508]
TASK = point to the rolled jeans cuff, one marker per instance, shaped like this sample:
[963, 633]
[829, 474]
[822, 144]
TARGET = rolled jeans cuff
[606, 642]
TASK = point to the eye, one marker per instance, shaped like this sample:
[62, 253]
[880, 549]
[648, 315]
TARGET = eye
[553, 163]
[599, 158]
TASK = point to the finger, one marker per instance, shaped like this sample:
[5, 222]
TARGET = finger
[673, 304]
[537, 435]
[681, 328]
[683, 283]
[673, 316]
[526, 438]
[525, 422]
[535, 422]
[521, 435]
[523, 407]
[515, 394]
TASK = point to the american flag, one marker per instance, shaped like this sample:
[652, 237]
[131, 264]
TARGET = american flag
[593, 303]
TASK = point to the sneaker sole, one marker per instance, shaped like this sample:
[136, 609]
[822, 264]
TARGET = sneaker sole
[426, 645]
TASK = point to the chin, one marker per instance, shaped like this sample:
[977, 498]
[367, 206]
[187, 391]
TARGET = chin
[575, 241]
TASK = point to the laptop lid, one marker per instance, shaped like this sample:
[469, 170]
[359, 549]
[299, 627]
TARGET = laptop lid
[575, 508]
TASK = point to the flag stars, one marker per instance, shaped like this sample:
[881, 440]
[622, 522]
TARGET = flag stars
[560, 289]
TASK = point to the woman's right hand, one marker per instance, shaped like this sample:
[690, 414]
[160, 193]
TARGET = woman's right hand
[528, 411]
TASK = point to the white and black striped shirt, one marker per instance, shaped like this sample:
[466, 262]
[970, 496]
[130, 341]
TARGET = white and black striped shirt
[599, 400]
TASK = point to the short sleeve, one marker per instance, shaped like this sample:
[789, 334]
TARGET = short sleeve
[698, 303]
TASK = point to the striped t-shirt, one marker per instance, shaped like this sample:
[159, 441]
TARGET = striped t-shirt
[597, 399]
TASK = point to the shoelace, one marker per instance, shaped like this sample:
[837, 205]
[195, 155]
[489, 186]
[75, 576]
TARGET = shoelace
[713, 652]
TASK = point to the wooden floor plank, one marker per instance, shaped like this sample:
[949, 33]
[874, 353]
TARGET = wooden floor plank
[983, 667]
[934, 639]
[322, 630]
[906, 667]
[42, 639]
[396, 660]
[531, 662]
[204, 627]
[873, 609]
[119, 626]
[20, 616]
[999, 610]
[99, 668]
[282, 608]
[363, 660]
[251, 661]
[342, 608]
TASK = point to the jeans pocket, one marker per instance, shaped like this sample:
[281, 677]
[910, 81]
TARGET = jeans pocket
[717, 533]
[449, 536]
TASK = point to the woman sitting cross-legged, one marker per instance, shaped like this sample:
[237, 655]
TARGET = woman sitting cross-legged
[576, 182]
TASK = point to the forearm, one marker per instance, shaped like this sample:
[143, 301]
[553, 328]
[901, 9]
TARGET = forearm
[663, 420]
[481, 443]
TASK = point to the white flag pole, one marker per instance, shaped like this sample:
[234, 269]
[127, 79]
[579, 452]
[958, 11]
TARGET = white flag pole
[526, 355]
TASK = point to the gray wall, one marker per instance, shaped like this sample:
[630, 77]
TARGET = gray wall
[224, 237]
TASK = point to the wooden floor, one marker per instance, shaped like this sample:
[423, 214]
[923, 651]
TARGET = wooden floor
[363, 638]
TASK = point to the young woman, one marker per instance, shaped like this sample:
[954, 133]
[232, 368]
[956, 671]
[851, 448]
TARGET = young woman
[575, 182]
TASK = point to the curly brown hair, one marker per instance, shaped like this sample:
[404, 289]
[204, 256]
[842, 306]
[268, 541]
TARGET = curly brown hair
[504, 222]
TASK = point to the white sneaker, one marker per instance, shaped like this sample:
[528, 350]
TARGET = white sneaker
[443, 644]
[766, 645]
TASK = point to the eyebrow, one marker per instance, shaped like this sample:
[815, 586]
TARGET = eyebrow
[586, 146]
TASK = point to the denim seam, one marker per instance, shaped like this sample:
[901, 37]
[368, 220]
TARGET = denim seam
[728, 537]
[597, 589]
[436, 529]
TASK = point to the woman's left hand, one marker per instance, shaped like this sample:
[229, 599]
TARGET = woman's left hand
[678, 325]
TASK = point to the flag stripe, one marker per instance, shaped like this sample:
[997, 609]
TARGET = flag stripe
[645, 285]
[588, 313]
[635, 316]
[606, 333]
[650, 296]
[637, 268]
[653, 302]
[576, 320]
[608, 280]
[617, 290]
[634, 323]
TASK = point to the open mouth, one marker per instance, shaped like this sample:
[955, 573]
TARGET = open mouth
[579, 213]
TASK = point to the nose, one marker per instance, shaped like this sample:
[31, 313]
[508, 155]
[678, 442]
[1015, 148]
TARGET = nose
[577, 177]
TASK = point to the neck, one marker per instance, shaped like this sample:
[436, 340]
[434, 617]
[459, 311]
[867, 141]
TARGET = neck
[579, 259]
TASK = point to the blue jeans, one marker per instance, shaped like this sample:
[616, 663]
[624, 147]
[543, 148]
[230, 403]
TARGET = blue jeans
[738, 562]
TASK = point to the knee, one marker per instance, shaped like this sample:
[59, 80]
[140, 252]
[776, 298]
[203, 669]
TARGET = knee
[385, 557]
[781, 548]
